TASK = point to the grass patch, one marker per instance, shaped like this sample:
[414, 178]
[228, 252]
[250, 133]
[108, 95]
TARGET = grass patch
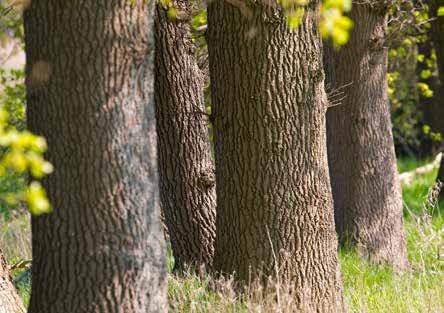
[15, 239]
[409, 164]
[370, 288]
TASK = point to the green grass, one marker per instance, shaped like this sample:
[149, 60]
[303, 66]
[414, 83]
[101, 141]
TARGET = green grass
[415, 194]
[367, 288]
[15, 239]
[370, 288]
[409, 164]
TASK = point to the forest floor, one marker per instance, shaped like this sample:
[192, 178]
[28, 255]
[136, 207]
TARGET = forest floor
[368, 288]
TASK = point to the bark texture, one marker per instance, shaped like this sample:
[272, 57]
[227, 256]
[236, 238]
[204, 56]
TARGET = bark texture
[274, 205]
[187, 182]
[366, 189]
[90, 93]
[10, 301]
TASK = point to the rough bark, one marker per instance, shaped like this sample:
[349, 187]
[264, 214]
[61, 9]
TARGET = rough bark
[10, 301]
[90, 93]
[274, 205]
[366, 189]
[187, 183]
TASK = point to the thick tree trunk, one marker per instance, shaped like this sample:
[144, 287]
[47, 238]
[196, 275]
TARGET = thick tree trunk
[10, 301]
[274, 205]
[90, 93]
[187, 183]
[366, 189]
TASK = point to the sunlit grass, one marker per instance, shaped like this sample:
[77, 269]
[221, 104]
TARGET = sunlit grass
[409, 164]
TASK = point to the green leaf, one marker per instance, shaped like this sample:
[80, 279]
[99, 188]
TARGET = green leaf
[425, 74]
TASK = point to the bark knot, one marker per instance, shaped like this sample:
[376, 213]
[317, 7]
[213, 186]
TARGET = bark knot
[207, 178]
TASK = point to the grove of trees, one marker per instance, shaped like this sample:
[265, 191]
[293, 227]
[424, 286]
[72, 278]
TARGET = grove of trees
[260, 133]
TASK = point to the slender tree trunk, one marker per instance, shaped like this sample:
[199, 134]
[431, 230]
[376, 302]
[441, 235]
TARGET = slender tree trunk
[432, 113]
[366, 189]
[187, 183]
[440, 179]
[437, 37]
[90, 93]
[10, 301]
[274, 205]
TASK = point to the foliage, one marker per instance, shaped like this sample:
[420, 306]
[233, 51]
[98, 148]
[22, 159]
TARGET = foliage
[411, 72]
[14, 97]
[10, 20]
[403, 95]
[22, 152]
[334, 25]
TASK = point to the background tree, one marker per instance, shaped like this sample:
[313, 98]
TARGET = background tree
[20, 156]
[428, 103]
[409, 78]
[437, 36]
[187, 183]
[274, 206]
[440, 177]
[362, 161]
[90, 93]
[428, 68]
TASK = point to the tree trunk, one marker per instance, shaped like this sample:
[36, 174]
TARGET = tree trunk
[10, 301]
[437, 37]
[274, 206]
[90, 93]
[432, 113]
[187, 183]
[366, 189]
[440, 177]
